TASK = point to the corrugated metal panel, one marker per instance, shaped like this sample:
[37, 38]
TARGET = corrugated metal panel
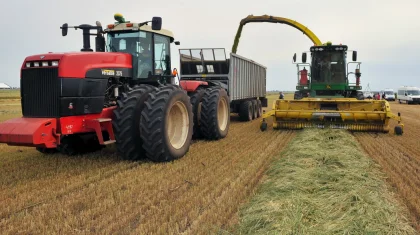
[247, 78]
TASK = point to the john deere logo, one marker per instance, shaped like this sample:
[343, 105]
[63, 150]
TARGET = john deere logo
[328, 87]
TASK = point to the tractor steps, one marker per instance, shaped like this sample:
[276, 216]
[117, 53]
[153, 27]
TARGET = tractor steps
[99, 125]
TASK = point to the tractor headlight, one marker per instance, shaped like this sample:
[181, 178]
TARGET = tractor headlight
[36, 64]
[28, 64]
[54, 63]
[44, 63]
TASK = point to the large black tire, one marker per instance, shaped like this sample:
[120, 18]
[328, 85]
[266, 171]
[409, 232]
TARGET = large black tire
[254, 109]
[196, 100]
[126, 122]
[298, 95]
[245, 111]
[167, 124]
[259, 110]
[215, 114]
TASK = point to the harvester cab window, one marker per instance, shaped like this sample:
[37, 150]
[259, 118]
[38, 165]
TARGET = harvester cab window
[329, 67]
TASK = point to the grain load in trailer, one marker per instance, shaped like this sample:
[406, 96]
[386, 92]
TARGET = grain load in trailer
[244, 79]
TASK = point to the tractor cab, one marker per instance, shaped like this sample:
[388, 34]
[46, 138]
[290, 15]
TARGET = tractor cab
[149, 46]
[326, 75]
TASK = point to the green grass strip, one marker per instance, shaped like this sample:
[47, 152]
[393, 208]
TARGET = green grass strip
[324, 184]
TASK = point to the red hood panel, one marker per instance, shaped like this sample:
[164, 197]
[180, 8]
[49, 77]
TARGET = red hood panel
[76, 64]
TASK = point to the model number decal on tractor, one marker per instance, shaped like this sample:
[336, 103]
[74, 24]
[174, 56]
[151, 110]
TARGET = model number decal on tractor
[108, 72]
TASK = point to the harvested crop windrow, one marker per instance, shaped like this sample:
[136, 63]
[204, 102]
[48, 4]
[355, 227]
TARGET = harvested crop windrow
[324, 184]
[399, 156]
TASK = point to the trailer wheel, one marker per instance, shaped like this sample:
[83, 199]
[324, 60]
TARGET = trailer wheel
[245, 111]
[196, 101]
[259, 110]
[167, 124]
[254, 109]
[126, 122]
[215, 114]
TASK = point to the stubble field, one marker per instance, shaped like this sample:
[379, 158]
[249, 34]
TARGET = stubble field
[100, 193]
[399, 156]
[200, 193]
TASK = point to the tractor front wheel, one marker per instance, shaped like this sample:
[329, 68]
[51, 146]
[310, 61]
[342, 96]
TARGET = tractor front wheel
[166, 126]
[126, 122]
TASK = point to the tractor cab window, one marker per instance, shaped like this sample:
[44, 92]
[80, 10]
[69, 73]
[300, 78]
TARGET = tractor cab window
[328, 67]
[162, 55]
[139, 45]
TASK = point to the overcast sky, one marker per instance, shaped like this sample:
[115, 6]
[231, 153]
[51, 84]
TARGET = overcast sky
[386, 33]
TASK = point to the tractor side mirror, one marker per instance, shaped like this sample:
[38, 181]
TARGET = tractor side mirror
[177, 43]
[156, 23]
[304, 57]
[294, 57]
[354, 55]
[64, 29]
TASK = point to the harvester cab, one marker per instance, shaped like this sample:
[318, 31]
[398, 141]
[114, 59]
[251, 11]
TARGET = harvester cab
[328, 73]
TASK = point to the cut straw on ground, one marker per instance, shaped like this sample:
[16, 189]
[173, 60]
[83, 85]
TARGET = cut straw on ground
[324, 184]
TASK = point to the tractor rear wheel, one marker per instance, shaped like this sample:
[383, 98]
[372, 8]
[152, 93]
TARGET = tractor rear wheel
[196, 101]
[166, 126]
[245, 111]
[126, 122]
[215, 114]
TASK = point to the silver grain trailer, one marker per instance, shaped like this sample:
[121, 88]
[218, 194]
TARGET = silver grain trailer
[243, 79]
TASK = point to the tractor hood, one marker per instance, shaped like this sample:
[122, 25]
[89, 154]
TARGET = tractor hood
[77, 64]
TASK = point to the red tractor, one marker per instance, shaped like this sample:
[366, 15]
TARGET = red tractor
[124, 92]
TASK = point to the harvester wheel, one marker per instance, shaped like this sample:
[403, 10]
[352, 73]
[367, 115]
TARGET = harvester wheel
[196, 101]
[245, 111]
[360, 96]
[398, 130]
[263, 126]
[254, 109]
[126, 122]
[259, 110]
[166, 124]
[215, 114]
